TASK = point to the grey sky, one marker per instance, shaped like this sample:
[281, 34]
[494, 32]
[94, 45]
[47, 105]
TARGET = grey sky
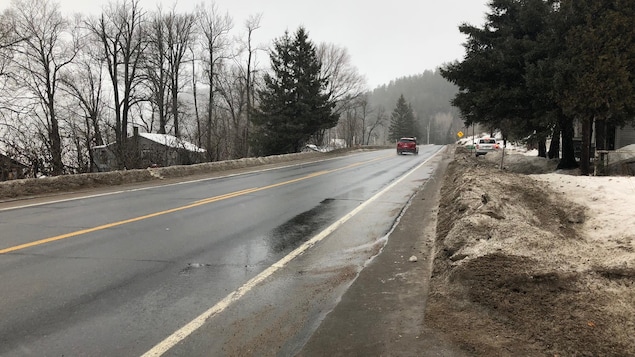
[385, 39]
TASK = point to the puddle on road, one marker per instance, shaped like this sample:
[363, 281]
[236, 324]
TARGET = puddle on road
[284, 238]
[192, 266]
[302, 227]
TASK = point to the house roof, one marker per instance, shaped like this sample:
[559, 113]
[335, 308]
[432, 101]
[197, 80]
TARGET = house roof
[171, 141]
[13, 162]
[164, 139]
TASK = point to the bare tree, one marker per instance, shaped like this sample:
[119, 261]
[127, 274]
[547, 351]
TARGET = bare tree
[170, 36]
[345, 84]
[215, 30]
[120, 29]
[18, 134]
[180, 36]
[355, 126]
[40, 59]
[364, 112]
[236, 87]
[232, 88]
[83, 81]
[349, 126]
[156, 70]
[197, 117]
[252, 24]
[9, 39]
[24, 140]
[8, 36]
[358, 123]
[379, 121]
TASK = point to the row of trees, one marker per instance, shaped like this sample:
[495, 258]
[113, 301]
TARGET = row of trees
[537, 66]
[70, 84]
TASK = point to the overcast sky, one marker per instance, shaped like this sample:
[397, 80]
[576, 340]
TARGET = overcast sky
[385, 39]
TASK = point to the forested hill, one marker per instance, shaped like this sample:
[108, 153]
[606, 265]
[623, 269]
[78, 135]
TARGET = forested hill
[429, 94]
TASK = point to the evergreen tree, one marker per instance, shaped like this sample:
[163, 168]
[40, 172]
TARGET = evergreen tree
[542, 78]
[294, 105]
[539, 65]
[402, 121]
[595, 76]
[492, 78]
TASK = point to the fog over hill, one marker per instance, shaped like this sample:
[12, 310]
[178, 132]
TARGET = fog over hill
[429, 94]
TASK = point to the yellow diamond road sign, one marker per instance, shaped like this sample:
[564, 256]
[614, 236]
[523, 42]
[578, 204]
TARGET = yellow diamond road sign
[459, 134]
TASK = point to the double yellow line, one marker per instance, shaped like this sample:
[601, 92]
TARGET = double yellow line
[176, 209]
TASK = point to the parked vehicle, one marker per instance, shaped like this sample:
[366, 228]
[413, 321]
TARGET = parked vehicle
[485, 145]
[407, 145]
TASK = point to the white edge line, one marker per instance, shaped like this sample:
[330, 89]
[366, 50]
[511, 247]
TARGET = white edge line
[182, 333]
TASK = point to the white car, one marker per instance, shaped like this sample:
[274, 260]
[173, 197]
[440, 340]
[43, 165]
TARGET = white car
[485, 145]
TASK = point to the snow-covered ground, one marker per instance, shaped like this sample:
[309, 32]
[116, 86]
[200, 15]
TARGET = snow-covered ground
[610, 201]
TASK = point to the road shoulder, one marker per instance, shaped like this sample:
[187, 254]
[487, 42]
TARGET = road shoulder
[382, 312]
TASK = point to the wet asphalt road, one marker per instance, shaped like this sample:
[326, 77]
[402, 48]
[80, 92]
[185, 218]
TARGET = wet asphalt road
[119, 274]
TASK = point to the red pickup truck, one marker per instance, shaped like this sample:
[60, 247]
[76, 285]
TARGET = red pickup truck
[407, 145]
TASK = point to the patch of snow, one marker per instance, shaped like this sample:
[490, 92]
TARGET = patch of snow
[171, 141]
[610, 201]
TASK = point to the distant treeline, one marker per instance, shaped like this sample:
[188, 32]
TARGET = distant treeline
[429, 95]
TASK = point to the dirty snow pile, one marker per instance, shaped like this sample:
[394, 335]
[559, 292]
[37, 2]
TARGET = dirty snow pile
[533, 263]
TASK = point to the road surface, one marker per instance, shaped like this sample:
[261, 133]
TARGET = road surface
[247, 264]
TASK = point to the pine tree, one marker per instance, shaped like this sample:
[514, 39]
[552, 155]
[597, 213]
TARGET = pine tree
[402, 121]
[294, 105]
[595, 83]
[492, 78]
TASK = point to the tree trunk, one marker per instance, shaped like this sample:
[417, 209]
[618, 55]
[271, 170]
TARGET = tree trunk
[568, 151]
[209, 123]
[554, 147]
[585, 157]
[56, 142]
[175, 108]
[199, 133]
[542, 147]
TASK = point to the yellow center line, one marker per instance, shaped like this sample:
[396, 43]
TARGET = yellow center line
[176, 209]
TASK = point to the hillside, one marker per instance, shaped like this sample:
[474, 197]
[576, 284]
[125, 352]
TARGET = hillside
[429, 94]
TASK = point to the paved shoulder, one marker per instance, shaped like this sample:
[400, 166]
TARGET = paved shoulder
[382, 313]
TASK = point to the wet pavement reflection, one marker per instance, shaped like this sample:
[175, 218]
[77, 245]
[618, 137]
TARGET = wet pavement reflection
[302, 227]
